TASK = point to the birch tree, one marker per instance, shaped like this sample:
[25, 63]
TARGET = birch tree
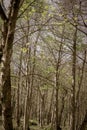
[9, 24]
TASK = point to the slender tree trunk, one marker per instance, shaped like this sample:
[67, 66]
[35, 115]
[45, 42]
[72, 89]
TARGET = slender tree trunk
[49, 115]
[57, 93]
[62, 107]
[28, 86]
[74, 82]
[18, 92]
[78, 92]
[57, 89]
[57, 79]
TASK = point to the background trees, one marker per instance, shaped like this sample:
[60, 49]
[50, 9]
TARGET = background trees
[47, 71]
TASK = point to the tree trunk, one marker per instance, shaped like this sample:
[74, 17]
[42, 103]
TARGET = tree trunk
[28, 86]
[6, 98]
[74, 81]
[18, 92]
[84, 123]
[57, 79]
[5, 80]
[79, 90]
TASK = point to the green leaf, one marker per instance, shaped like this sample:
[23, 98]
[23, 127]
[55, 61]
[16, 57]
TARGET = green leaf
[24, 49]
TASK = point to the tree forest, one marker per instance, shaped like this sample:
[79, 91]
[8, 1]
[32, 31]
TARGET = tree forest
[43, 64]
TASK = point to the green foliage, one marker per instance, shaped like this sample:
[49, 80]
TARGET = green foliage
[50, 69]
[33, 122]
[48, 127]
[24, 49]
[36, 7]
[45, 87]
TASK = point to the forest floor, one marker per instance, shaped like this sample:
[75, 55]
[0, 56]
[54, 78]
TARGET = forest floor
[32, 126]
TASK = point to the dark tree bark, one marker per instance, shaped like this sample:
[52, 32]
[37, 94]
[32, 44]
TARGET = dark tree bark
[84, 123]
[5, 80]
[3, 11]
